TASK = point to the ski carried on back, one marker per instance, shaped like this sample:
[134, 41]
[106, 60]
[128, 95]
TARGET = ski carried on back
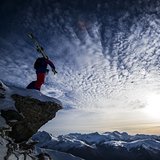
[41, 51]
[37, 45]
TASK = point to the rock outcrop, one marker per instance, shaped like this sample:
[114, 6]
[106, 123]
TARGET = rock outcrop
[31, 115]
[23, 115]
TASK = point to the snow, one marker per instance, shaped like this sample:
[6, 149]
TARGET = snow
[8, 103]
[44, 139]
[3, 123]
[117, 136]
[3, 148]
[115, 143]
[48, 141]
[61, 156]
[89, 138]
[146, 143]
[33, 94]
[57, 155]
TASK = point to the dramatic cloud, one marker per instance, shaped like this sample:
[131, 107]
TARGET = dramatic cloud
[107, 57]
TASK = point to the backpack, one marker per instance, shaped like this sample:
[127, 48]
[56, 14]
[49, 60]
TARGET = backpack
[40, 62]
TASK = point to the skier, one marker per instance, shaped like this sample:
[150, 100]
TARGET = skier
[40, 66]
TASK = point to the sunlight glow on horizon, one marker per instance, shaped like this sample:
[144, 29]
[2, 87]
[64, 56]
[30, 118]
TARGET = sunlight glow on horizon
[152, 108]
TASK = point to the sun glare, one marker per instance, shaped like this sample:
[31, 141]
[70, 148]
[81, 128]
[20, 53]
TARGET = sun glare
[153, 106]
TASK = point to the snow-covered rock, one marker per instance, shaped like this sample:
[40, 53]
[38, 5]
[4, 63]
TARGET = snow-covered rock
[22, 113]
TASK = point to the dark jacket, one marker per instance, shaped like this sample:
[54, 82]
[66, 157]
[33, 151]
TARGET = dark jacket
[42, 65]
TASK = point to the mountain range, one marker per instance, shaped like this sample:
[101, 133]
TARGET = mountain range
[106, 146]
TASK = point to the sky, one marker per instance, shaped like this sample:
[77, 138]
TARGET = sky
[106, 54]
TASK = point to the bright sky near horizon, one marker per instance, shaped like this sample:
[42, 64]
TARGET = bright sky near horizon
[107, 56]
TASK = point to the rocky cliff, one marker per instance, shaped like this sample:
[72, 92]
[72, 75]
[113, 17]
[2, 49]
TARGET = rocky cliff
[23, 112]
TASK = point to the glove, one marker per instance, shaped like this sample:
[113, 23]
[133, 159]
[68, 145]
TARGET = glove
[47, 71]
[54, 71]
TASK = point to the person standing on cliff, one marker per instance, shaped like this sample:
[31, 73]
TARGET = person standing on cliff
[40, 66]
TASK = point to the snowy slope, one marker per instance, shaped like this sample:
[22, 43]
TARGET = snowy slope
[56, 155]
[148, 144]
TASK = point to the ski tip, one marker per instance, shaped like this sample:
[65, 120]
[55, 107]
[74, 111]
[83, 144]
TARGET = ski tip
[30, 35]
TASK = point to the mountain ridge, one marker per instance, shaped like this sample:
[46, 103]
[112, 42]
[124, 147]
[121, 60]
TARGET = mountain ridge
[94, 145]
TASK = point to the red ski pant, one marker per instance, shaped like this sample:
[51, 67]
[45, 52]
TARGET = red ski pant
[40, 80]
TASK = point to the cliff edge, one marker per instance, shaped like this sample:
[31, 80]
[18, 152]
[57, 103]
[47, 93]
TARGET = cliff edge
[23, 112]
